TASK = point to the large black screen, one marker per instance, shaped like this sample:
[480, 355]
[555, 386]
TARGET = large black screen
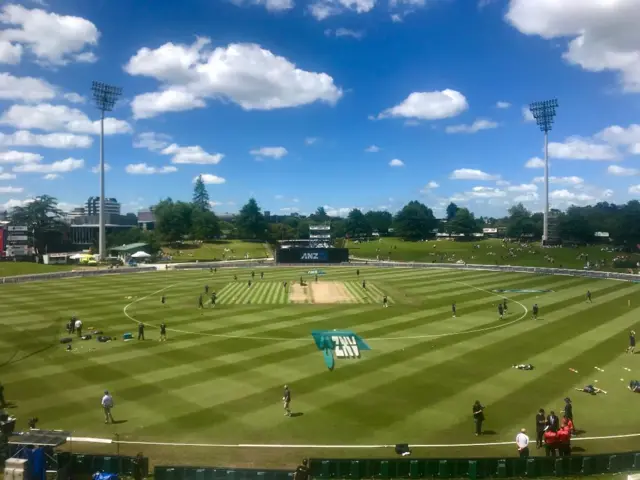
[312, 255]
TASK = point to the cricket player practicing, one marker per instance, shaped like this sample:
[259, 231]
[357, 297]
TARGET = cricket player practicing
[591, 390]
[632, 342]
[286, 400]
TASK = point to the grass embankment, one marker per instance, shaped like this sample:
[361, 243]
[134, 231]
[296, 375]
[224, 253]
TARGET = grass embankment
[490, 252]
[218, 250]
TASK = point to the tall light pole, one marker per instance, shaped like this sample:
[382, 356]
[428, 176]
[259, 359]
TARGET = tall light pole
[544, 113]
[105, 97]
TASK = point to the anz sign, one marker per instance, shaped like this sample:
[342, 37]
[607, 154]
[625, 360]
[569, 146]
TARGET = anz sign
[320, 256]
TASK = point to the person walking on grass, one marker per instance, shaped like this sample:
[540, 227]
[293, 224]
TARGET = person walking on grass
[107, 405]
[141, 331]
[478, 416]
[286, 401]
[163, 332]
[632, 342]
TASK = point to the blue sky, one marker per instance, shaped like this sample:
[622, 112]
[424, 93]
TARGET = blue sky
[339, 103]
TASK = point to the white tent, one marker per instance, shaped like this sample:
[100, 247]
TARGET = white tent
[77, 256]
[140, 254]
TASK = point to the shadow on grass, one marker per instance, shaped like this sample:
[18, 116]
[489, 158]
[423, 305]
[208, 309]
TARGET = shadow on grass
[577, 450]
[296, 414]
[118, 422]
[488, 432]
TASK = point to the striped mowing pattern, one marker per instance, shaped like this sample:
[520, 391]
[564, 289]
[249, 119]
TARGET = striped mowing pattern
[218, 378]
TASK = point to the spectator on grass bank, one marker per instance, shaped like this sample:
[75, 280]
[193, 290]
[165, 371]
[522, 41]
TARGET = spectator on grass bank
[522, 442]
[302, 471]
[541, 423]
[478, 416]
[107, 405]
[78, 326]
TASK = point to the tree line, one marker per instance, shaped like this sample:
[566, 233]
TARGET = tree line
[176, 221]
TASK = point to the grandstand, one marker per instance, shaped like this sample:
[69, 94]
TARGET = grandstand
[317, 248]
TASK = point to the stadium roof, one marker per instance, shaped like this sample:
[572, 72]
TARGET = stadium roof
[129, 247]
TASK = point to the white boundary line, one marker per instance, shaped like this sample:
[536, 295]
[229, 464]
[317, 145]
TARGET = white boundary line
[283, 446]
[282, 339]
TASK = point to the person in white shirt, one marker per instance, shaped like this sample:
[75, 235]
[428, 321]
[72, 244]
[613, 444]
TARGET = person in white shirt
[522, 442]
[78, 326]
[107, 405]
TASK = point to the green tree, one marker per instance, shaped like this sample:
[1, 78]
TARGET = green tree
[204, 224]
[357, 224]
[414, 222]
[574, 226]
[379, 220]
[200, 195]
[173, 220]
[452, 209]
[320, 215]
[281, 231]
[250, 221]
[463, 223]
[519, 222]
[625, 230]
[44, 219]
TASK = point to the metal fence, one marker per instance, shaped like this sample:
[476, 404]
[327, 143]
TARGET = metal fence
[72, 274]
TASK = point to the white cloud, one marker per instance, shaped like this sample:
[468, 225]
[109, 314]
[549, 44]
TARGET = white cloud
[634, 190]
[561, 180]
[13, 156]
[523, 188]
[211, 179]
[396, 162]
[572, 198]
[290, 209]
[486, 192]
[149, 105]
[53, 39]
[74, 98]
[10, 53]
[295, 200]
[152, 141]
[322, 9]
[13, 203]
[396, 18]
[61, 166]
[576, 148]
[278, 197]
[472, 174]
[502, 183]
[7, 176]
[144, 169]
[337, 212]
[310, 140]
[429, 187]
[23, 138]
[269, 152]
[11, 189]
[429, 106]
[534, 162]
[527, 197]
[59, 117]
[273, 6]
[96, 168]
[622, 171]
[527, 116]
[620, 136]
[51, 176]
[503, 105]
[194, 155]
[250, 76]
[26, 89]
[479, 124]
[603, 34]
[372, 149]
[344, 32]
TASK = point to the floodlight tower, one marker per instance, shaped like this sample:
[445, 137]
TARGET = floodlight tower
[544, 114]
[105, 97]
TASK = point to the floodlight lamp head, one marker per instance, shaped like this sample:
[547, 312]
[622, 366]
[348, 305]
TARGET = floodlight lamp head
[544, 113]
[105, 96]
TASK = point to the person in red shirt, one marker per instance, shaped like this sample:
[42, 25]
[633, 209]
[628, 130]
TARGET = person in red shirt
[564, 441]
[567, 422]
[551, 442]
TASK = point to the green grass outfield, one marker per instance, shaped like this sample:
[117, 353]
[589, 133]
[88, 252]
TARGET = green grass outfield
[210, 251]
[491, 252]
[218, 379]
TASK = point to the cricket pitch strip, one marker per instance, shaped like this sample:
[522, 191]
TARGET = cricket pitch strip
[321, 292]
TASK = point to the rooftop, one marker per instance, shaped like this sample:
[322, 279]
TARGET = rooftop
[130, 246]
